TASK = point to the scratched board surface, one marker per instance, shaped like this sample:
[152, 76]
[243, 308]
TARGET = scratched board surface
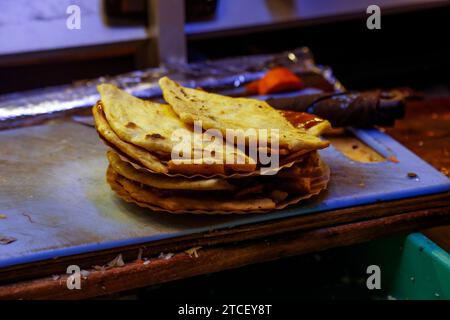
[55, 201]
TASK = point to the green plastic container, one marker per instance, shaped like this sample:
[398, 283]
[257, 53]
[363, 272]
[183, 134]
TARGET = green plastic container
[412, 267]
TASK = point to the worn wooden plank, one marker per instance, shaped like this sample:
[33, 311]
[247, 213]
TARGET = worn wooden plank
[181, 265]
[247, 232]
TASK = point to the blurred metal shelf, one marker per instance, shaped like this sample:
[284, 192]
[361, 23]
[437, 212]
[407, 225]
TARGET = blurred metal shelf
[32, 31]
[237, 16]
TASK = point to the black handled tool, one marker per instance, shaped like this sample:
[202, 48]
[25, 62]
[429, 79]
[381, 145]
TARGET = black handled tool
[357, 109]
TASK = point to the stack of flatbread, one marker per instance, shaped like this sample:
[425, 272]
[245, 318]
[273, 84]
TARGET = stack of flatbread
[177, 157]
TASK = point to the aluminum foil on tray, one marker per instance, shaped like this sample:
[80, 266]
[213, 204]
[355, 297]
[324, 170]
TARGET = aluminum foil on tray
[227, 76]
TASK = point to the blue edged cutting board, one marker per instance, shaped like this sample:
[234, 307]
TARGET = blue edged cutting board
[57, 203]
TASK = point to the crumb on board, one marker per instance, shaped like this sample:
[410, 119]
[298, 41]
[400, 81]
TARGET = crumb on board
[85, 274]
[393, 159]
[445, 171]
[165, 256]
[193, 251]
[117, 262]
[411, 175]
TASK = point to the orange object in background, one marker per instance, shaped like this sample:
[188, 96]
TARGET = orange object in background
[252, 87]
[278, 79]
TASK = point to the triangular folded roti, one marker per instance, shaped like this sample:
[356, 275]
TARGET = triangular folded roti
[146, 124]
[152, 126]
[222, 113]
[140, 155]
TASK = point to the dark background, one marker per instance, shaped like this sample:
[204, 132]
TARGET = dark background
[411, 49]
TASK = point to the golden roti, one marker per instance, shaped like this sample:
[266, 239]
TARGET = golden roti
[146, 138]
[154, 127]
[150, 161]
[204, 173]
[145, 158]
[146, 124]
[222, 113]
[161, 181]
[179, 203]
[147, 199]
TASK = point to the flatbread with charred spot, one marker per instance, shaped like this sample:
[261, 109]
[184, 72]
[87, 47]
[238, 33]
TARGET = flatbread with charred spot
[135, 193]
[152, 125]
[146, 124]
[153, 162]
[145, 158]
[164, 182]
[222, 113]
[175, 203]
[142, 170]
